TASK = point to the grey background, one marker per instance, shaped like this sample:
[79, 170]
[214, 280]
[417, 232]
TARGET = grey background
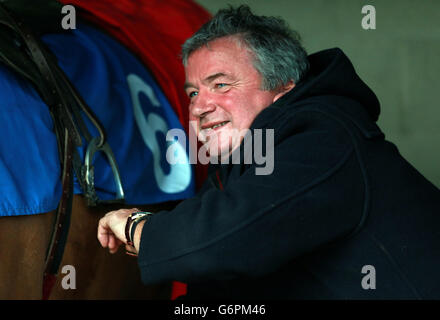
[399, 60]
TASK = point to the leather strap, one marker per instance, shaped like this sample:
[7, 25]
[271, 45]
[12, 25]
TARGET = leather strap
[62, 221]
[66, 133]
[38, 65]
[51, 90]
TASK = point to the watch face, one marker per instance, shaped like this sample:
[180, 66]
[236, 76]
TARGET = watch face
[138, 215]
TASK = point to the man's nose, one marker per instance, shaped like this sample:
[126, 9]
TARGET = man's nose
[201, 105]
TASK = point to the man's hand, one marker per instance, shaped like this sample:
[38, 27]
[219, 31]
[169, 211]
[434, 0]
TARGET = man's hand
[111, 229]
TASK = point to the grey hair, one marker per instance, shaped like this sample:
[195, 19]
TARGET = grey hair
[277, 52]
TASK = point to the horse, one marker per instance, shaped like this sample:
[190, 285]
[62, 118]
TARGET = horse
[93, 273]
[99, 275]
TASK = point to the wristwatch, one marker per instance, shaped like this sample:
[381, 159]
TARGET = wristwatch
[132, 220]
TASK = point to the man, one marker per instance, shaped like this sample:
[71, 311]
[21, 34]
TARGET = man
[342, 215]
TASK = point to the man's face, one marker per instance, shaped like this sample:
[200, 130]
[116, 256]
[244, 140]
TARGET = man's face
[225, 95]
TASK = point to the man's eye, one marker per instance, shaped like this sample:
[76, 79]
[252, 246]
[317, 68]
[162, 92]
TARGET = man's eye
[220, 85]
[192, 94]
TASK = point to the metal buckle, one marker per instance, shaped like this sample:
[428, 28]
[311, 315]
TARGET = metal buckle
[88, 172]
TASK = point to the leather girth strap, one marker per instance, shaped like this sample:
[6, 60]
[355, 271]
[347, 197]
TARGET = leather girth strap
[66, 133]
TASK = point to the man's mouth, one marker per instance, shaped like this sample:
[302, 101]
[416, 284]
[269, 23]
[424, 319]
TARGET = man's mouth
[213, 126]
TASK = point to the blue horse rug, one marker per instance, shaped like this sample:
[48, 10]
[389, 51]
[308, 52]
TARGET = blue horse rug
[129, 104]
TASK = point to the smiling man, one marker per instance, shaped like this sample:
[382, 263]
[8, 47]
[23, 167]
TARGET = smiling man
[226, 93]
[340, 198]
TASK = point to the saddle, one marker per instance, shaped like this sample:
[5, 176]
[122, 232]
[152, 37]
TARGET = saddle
[22, 23]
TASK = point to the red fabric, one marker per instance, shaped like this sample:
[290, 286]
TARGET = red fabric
[178, 289]
[48, 283]
[154, 30]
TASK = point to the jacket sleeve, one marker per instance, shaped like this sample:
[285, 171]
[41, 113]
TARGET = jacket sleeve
[259, 222]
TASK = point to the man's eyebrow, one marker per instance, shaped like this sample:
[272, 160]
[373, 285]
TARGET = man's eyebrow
[208, 79]
[211, 78]
[188, 85]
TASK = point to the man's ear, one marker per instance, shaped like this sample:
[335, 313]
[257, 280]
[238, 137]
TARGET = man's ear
[283, 90]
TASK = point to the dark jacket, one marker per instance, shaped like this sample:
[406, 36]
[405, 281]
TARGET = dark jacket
[340, 198]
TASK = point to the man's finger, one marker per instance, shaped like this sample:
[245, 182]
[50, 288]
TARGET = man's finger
[114, 244]
[103, 232]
